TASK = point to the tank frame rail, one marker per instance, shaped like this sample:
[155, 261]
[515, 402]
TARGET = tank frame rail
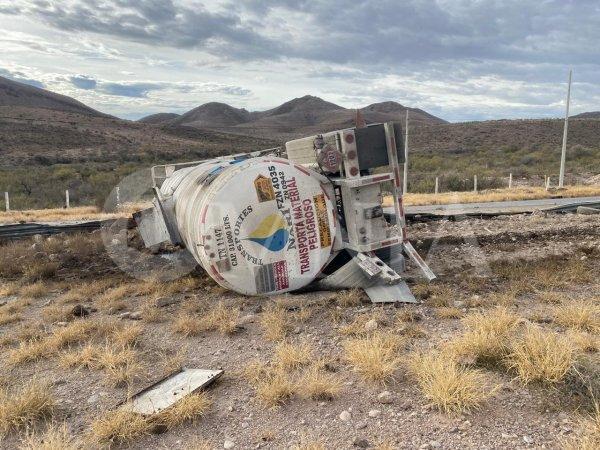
[161, 172]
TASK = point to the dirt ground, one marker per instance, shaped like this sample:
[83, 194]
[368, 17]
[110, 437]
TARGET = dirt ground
[515, 261]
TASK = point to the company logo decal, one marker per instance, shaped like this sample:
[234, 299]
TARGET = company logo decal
[271, 233]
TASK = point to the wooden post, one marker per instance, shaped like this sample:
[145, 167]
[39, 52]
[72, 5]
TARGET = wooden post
[6, 201]
[405, 183]
[474, 183]
[437, 185]
[548, 183]
[67, 199]
[510, 180]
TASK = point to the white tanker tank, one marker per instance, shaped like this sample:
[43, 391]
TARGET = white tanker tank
[263, 223]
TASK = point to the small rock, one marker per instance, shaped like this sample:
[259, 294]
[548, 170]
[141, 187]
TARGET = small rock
[228, 444]
[506, 436]
[371, 325]
[361, 443]
[136, 315]
[361, 425]
[434, 444]
[527, 440]
[61, 324]
[124, 315]
[80, 311]
[385, 397]
[3, 302]
[248, 318]
[465, 425]
[374, 413]
[93, 398]
[345, 416]
[165, 301]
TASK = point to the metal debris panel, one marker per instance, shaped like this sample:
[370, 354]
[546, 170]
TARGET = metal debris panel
[170, 390]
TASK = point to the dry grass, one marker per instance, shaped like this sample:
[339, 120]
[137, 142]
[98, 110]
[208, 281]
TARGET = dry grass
[60, 214]
[114, 298]
[358, 327]
[290, 356]
[412, 330]
[408, 315]
[188, 409]
[585, 342]
[20, 408]
[448, 312]
[275, 388]
[220, 318]
[55, 437]
[542, 356]
[76, 332]
[34, 290]
[350, 297]
[56, 313]
[317, 384]
[587, 436]
[127, 335]
[85, 291]
[487, 337]
[310, 445]
[152, 314]
[38, 270]
[493, 195]
[84, 357]
[375, 358]
[119, 363]
[578, 314]
[449, 387]
[118, 427]
[7, 317]
[275, 324]
[551, 297]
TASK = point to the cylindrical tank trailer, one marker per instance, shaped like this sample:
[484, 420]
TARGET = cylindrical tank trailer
[264, 224]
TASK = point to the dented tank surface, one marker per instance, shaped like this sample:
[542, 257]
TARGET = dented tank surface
[258, 225]
[265, 224]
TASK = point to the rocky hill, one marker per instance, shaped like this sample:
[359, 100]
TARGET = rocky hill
[587, 115]
[13, 93]
[159, 118]
[297, 117]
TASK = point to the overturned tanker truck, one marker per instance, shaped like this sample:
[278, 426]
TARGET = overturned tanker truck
[309, 216]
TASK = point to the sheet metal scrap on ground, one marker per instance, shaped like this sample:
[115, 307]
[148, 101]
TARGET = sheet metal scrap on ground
[268, 223]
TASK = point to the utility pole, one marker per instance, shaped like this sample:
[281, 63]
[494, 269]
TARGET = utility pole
[563, 156]
[405, 184]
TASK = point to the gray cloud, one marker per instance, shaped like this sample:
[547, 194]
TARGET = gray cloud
[83, 82]
[139, 90]
[20, 77]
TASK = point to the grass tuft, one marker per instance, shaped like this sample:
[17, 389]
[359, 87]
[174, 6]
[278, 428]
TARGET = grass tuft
[542, 356]
[449, 387]
[188, 409]
[290, 356]
[31, 402]
[275, 324]
[376, 357]
[316, 384]
[579, 314]
[488, 336]
[56, 437]
[118, 427]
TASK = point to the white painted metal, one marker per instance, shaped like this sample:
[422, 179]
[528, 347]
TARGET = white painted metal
[169, 391]
[258, 226]
[7, 201]
[548, 183]
[405, 180]
[474, 183]
[510, 180]
[67, 202]
[437, 185]
[563, 155]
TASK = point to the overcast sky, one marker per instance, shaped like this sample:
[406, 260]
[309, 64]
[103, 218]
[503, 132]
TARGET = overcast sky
[458, 59]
